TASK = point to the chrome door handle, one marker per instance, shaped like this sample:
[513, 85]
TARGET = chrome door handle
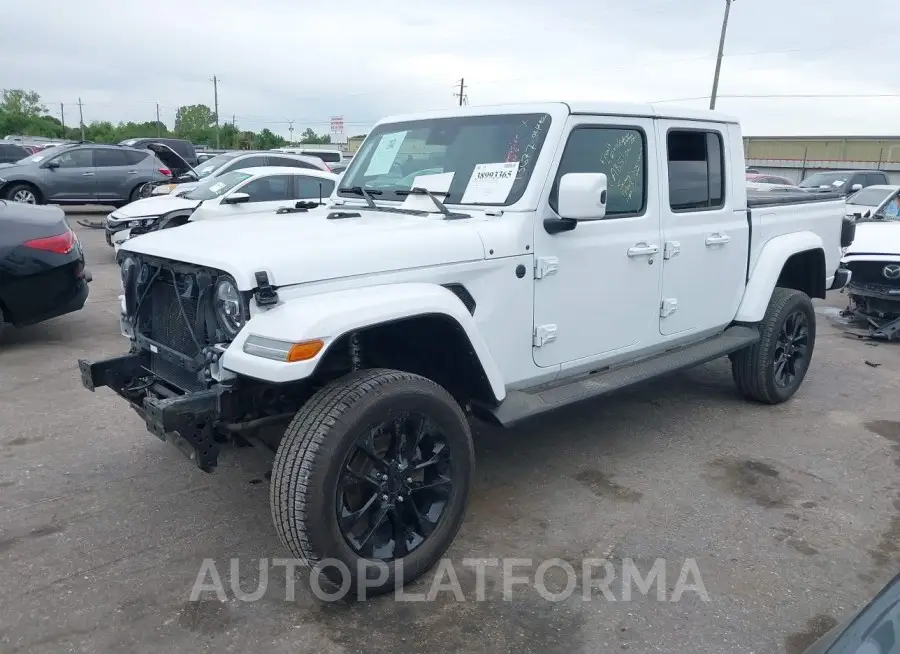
[642, 249]
[717, 239]
[132, 172]
[87, 174]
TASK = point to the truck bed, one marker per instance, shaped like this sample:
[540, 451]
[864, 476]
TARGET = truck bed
[757, 199]
[777, 214]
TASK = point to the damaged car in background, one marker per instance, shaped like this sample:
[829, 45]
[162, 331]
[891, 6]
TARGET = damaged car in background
[874, 262]
[232, 195]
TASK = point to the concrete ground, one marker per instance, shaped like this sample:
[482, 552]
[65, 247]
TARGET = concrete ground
[792, 514]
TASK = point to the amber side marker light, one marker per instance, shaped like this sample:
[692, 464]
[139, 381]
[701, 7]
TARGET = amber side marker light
[304, 351]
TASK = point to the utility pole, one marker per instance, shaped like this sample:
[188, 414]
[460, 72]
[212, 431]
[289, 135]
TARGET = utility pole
[715, 88]
[62, 116]
[81, 118]
[157, 121]
[291, 130]
[215, 82]
[463, 98]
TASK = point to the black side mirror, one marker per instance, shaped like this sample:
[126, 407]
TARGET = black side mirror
[52, 165]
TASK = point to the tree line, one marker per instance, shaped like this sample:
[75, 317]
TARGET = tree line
[22, 113]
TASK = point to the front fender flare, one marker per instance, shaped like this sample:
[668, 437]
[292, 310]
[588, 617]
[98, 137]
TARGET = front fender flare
[328, 316]
[767, 270]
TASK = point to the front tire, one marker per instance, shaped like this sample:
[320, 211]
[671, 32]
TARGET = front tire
[24, 194]
[772, 370]
[375, 467]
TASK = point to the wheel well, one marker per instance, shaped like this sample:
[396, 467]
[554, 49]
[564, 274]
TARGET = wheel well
[33, 187]
[805, 271]
[433, 346]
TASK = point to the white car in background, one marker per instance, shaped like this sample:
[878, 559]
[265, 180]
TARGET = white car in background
[232, 195]
[330, 157]
[231, 161]
[871, 200]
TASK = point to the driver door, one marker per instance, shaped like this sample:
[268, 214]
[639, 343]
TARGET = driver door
[266, 193]
[74, 178]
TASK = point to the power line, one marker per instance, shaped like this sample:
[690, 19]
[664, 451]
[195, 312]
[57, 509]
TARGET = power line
[785, 96]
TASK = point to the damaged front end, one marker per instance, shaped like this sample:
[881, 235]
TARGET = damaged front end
[874, 292]
[180, 319]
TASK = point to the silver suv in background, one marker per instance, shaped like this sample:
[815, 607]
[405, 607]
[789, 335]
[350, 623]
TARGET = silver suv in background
[82, 174]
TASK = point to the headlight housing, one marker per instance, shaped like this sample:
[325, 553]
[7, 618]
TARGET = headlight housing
[229, 306]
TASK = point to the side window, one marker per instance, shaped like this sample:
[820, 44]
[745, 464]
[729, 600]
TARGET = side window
[108, 158]
[249, 162]
[80, 158]
[696, 170]
[268, 189]
[857, 179]
[617, 152]
[134, 157]
[875, 178]
[312, 188]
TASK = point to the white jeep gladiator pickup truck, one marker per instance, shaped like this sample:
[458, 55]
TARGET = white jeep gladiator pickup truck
[500, 261]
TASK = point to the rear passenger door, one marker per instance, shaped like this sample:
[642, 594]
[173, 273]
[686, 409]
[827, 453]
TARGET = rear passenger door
[115, 176]
[705, 235]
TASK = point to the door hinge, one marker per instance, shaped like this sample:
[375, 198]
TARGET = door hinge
[544, 334]
[544, 266]
[671, 249]
[667, 307]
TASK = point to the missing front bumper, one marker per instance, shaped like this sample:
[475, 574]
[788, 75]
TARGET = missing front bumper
[186, 420]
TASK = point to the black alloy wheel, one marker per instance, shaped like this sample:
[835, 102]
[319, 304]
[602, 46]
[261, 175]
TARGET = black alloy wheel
[395, 486]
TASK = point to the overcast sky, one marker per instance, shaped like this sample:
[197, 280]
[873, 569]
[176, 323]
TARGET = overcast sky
[281, 60]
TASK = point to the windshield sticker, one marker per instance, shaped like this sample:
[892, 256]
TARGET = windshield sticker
[218, 186]
[491, 183]
[439, 183]
[836, 182]
[385, 154]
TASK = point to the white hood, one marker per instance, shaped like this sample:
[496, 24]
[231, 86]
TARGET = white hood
[151, 207]
[876, 238]
[296, 248]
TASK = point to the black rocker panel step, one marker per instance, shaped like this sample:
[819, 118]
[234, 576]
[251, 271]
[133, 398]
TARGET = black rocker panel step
[520, 405]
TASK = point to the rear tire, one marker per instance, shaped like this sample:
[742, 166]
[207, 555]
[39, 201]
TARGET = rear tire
[24, 194]
[375, 467]
[772, 369]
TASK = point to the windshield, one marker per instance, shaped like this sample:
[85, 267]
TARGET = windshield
[824, 179]
[218, 186]
[870, 197]
[473, 159]
[209, 166]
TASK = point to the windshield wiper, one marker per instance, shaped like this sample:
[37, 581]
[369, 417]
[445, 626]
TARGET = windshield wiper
[364, 192]
[448, 215]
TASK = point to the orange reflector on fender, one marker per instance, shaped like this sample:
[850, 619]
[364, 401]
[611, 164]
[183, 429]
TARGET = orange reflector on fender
[304, 351]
